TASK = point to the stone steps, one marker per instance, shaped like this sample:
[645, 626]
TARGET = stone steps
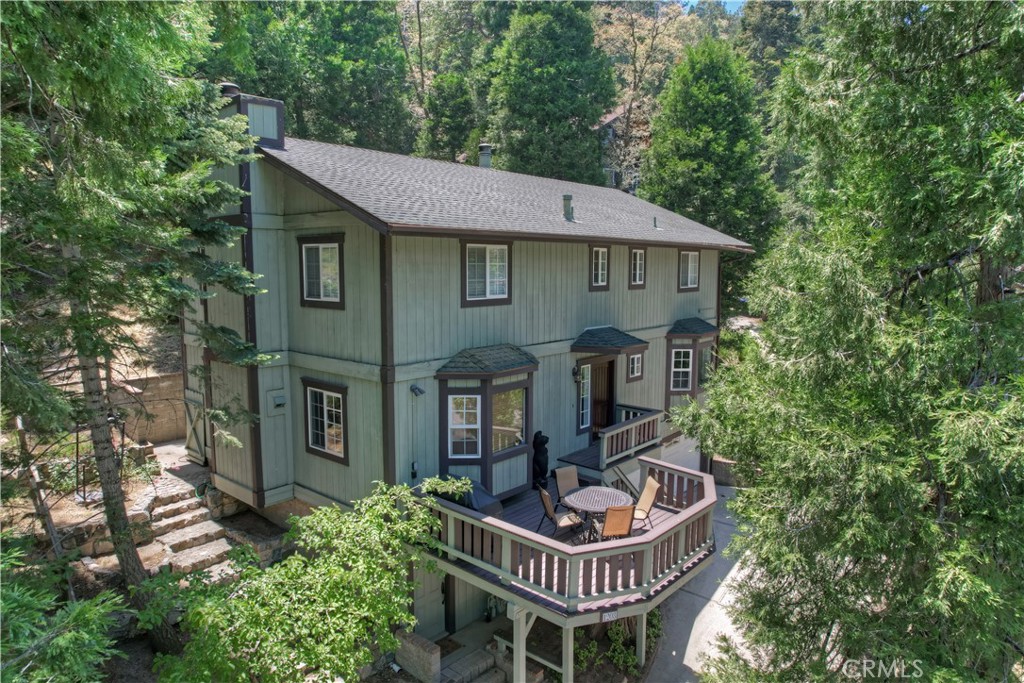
[202, 556]
[175, 509]
[186, 519]
[169, 495]
[492, 675]
[468, 668]
[192, 536]
[222, 572]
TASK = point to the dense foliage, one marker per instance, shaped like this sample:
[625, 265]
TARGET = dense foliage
[704, 159]
[45, 639]
[322, 612]
[550, 88]
[106, 189]
[879, 417]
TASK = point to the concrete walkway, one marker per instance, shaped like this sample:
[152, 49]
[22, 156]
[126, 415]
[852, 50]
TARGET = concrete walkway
[695, 615]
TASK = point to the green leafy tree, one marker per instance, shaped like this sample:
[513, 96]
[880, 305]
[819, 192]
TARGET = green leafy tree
[449, 120]
[879, 419]
[319, 614]
[105, 178]
[550, 88]
[704, 156]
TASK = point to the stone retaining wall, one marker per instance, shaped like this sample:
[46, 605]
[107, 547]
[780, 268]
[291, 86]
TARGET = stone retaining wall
[154, 407]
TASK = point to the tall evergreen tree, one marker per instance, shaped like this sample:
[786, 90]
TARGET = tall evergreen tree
[879, 420]
[769, 31]
[449, 119]
[339, 67]
[108, 147]
[704, 156]
[550, 88]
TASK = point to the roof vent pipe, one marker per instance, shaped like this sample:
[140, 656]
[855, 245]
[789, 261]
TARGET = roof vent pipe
[229, 89]
[485, 155]
[567, 206]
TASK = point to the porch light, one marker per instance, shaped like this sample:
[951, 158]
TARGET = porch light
[576, 375]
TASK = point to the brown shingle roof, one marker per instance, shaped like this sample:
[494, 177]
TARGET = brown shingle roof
[406, 194]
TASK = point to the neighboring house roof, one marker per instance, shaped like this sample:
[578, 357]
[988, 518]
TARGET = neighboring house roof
[691, 327]
[400, 194]
[607, 340]
[487, 361]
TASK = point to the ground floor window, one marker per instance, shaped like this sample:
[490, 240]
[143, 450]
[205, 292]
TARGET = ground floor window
[508, 419]
[464, 426]
[584, 396]
[681, 368]
[326, 430]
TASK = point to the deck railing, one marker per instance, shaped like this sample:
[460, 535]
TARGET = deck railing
[636, 429]
[572, 576]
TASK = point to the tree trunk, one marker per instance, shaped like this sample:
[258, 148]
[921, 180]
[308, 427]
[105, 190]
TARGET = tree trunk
[164, 637]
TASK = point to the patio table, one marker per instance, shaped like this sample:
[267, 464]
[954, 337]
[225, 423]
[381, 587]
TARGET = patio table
[594, 500]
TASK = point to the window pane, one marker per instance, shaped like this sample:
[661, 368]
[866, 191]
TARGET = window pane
[705, 365]
[584, 398]
[317, 428]
[330, 273]
[637, 267]
[508, 417]
[497, 271]
[464, 425]
[693, 270]
[311, 264]
[476, 272]
[599, 267]
[681, 369]
[335, 437]
[635, 365]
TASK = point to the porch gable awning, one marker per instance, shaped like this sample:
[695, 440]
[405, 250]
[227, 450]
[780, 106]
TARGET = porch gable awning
[692, 327]
[607, 340]
[488, 361]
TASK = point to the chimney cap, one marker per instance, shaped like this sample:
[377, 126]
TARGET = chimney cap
[228, 89]
[485, 147]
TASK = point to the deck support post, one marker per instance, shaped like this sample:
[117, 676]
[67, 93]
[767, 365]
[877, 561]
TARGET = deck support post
[568, 654]
[641, 639]
[522, 621]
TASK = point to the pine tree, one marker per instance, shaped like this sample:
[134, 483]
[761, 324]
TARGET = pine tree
[879, 418]
[108, 148]
[550, 88]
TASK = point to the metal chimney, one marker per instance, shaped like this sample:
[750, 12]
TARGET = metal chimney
[567, 207]
[485, 155]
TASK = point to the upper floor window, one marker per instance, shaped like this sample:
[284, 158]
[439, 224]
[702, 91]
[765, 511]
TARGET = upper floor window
[321, 271]
[689, 270]
[326, 420]
[598, 268]
[681, 369]
[486, 274]
[637, 268]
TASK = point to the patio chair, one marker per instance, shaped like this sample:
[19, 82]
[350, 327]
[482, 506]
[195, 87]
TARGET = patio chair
[618, 523]
[561, 520]
[646, 502]
[566, 479]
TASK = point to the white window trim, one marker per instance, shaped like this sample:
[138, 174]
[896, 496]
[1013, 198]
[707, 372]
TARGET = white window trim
[477, 427]
[320, 268]
[584, 396]
[488, 250]
[634, 271]
[681, 373]
[692, 270]
[639, 365]
[599, 274]
[309, 417]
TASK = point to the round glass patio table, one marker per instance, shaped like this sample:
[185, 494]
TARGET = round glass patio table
[594, 500]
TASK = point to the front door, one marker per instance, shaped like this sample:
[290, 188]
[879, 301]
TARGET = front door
[603, 393]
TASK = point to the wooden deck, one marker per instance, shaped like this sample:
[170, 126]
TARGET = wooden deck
[592, 577]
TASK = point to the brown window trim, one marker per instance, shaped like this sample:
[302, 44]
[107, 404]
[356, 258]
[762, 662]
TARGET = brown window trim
[679, 270]
[643, 364]
[337, 238]
[487, 458]
[641, 285]
[590, 267]
[466, 302]
[319, 384]
[695, 347]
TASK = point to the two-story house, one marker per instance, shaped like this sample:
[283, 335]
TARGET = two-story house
[428, 318]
